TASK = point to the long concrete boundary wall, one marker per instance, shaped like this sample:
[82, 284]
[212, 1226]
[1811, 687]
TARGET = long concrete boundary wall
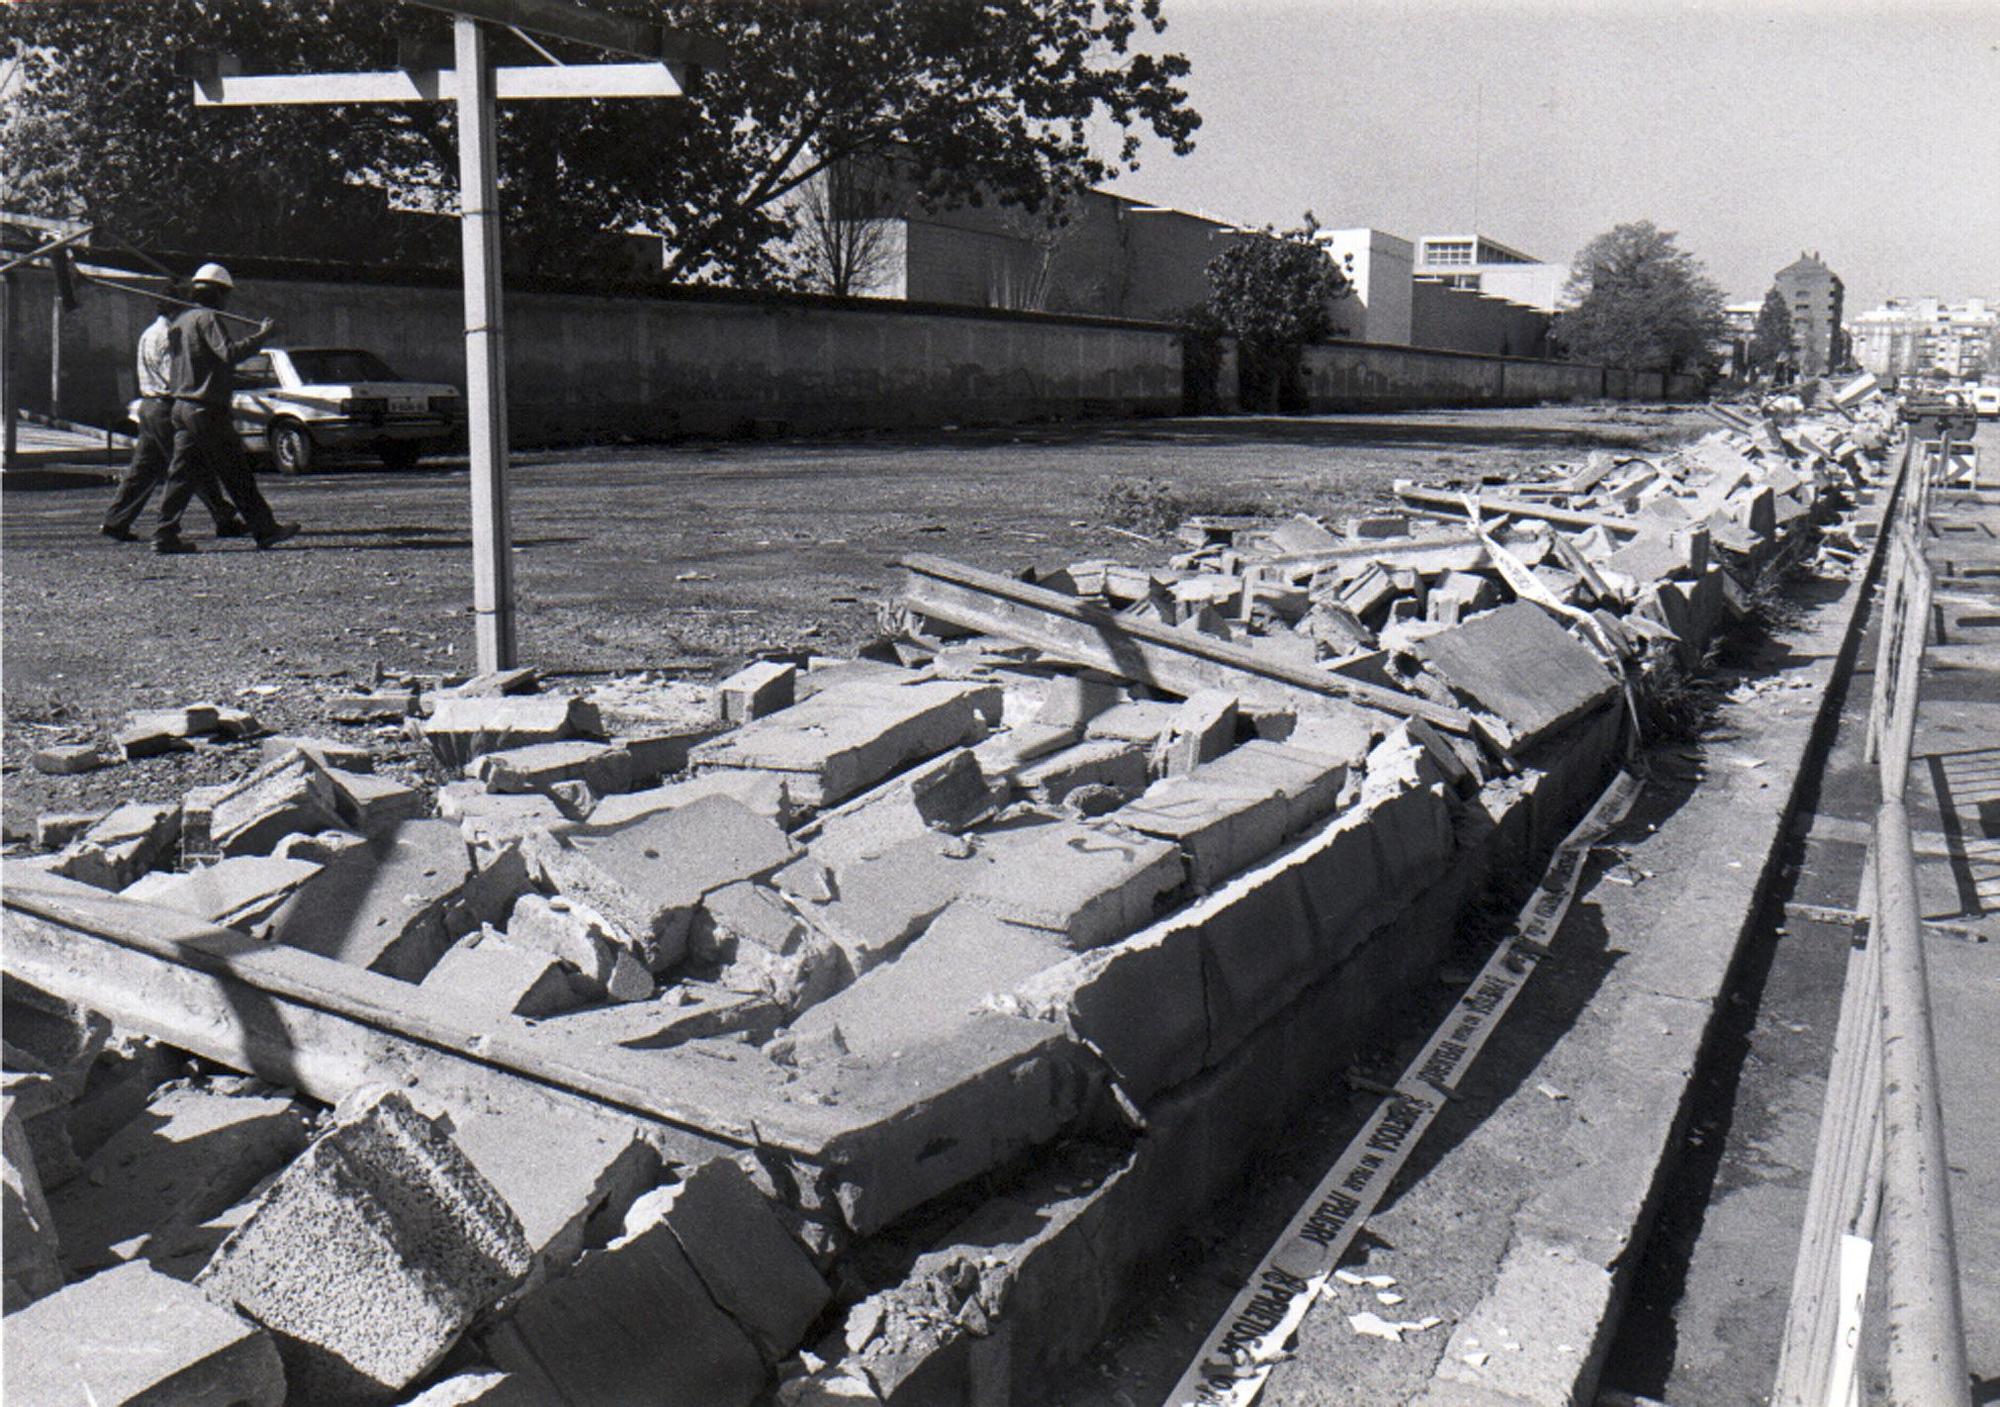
[649, 363]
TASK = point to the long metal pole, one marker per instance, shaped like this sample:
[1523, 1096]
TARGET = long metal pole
[1926, 1324]
[10, 374]
[485, 352]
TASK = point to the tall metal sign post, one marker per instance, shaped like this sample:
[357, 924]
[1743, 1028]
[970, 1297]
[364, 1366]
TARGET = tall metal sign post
[667, 63]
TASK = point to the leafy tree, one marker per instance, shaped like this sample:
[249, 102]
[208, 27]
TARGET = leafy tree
[1274, 292]
[988, 99]
[1640, 302]
[845, 226]
[1771, 339]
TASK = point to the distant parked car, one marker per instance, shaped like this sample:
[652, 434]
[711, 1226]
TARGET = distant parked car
[302, 404]
[1986, 401]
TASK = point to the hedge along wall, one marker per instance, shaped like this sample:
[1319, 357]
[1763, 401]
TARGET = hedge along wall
[646, 361]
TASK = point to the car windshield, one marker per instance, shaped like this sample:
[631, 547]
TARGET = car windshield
[333, 364]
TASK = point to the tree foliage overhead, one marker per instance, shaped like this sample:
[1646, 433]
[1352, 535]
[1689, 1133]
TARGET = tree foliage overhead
[989, 99]
[1771, 339]
[1275, 288]
[1640, 302]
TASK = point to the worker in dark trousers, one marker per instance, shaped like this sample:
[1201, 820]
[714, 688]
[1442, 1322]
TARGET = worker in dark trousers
[205, 444]
[155, 443]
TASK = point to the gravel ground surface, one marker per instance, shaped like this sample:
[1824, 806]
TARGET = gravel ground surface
[682, 560]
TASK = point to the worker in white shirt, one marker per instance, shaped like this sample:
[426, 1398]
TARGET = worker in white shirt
[155, 443]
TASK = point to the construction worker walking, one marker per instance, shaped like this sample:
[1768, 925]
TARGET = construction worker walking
[205, 446]
[155, 443]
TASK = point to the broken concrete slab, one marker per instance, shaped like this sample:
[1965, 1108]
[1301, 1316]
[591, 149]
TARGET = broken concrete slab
[949, 793]
[69, 759]
[461, 729]
[754, 1270]
[238, 892]
[756, 690]
[374, 706]
[886, 900]
[55, 829]
[845, 739]
[1089, 883]
[1310, 781]
[1121, 766]
[130, 840]
[745, 913]
[327, 752]
[134, 1336]
[486, 812]
[1220, 827]
[280, 798]
[603, 767]
[1519, 665]
[486, 971]
[191, 1154]
[766, 794]
[632, 1322]
[371, 1253]
[150, 733]
[1203, 729]
[648, 877]
[382, 906]
[369, 804]
[28, 1234]
[934, 985]
[587, 944]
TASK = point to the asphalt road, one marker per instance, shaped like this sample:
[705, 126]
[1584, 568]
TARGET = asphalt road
[684, 559]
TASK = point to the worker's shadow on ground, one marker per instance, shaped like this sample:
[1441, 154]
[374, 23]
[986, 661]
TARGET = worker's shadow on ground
[415, 537]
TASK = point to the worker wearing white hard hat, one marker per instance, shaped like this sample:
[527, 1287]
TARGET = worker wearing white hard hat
[205, 443]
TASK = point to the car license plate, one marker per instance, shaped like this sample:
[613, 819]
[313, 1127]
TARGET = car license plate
[408, 403]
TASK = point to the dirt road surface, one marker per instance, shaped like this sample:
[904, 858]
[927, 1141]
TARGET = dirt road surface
[683, 559]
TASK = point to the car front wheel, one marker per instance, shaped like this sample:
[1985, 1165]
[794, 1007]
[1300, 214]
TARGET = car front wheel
[291, 447]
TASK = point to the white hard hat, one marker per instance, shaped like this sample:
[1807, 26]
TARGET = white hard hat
[214, 273]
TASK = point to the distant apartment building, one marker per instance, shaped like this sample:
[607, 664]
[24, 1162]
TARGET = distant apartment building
[1813, 294]
[1480, 264]
[1911, 336]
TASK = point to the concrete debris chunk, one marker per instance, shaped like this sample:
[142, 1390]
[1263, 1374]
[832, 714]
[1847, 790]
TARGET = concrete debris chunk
[1091, 884]
[745, 913]
[632, 1322]
[1121, 766]
[756, 690]
[148, 1193]
[27, 1232]
[371, 1253]
[886, 900]
[1310, 782]
[152, 732]
[1203, 729]
[382, 906]
[369, 804]
[1519, 665]
[133, 1336]
[238, 892]
[486, 971]
[478, 1389]
[280, 798]
[327, 752]
[318, 848]
[1219, 827]
[598, 958]
[461, 729]
[602, 767]
[767, 794]
[846, 738]
[647, 878]
[373, 706]
[69, 759]
[756, 1272]
[55, 829]
[130, 840]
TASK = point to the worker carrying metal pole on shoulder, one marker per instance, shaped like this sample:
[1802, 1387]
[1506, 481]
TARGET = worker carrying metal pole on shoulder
[205, 445]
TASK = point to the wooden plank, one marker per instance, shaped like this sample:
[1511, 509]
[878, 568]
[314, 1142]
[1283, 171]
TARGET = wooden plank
[1175, 660]
[622, 80]
[1454, 503]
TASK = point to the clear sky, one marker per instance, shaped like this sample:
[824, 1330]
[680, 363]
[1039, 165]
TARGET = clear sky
[1868, 132]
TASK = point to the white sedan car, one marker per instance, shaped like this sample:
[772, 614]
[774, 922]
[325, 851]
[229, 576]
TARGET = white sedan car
[300, 404]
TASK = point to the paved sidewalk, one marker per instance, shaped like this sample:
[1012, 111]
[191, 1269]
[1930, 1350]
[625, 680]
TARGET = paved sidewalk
[1709, 1301]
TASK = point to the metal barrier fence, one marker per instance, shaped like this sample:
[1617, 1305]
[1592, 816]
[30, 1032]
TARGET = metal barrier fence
[1880, 1154]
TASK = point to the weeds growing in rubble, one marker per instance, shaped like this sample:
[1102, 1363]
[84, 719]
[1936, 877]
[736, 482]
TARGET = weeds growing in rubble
[1676, 704]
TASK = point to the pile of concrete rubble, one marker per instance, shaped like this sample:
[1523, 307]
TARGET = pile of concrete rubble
[813, 1028]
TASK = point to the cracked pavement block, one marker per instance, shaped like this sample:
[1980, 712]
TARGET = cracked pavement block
[1091, 884]
[237, 892]
[130, 840]
[1521, 666]
[755, 1271]
[280, 798]
[603, 767]
[764, 687]
[484, 970]
[463, 728]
